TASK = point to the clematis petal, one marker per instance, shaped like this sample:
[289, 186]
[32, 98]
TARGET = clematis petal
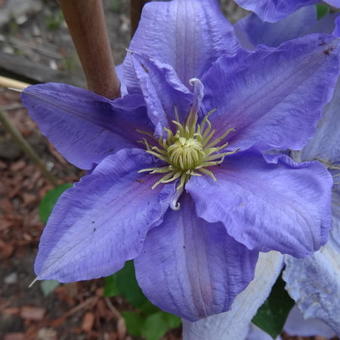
[315, 296]
[278, 108]
[84, 126]
[191, 268]
[234, 323]
[335, 3]
[314, 282]
[325, 144]
[120, 74]
[102, 221]
[273, 10]
[252, 31]
[298, 326]
[188, 35]
[283, 206]
[295, 325]
[256, 333]
[163, 91]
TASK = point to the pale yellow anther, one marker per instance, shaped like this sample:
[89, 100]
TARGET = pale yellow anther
[188, 149]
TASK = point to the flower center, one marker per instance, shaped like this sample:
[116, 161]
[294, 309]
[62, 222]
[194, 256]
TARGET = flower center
[188, 149]
[185, 154]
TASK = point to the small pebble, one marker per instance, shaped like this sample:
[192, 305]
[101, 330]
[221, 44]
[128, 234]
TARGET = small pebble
[36, 31]
[11, 279]
[8, 50]
[49, 165]
[47, 334]
[53, 65]
[21, 19]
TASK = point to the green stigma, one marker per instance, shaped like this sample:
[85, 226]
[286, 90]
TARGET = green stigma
[188, 149]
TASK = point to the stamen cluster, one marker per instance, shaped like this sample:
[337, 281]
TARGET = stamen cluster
[188, 150]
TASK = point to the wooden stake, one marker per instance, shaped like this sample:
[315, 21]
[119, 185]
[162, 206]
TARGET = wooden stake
[136, 7]
[11, 83]
[86, 23]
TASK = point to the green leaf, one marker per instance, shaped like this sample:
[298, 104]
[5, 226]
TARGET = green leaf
[134, 322]
[116, 6]
[110, 286]
[147, 321]
[273, 314]
[152, 327]
[148, 308]
[157, 324]
[124, 283]
[55, 20]
[322, 10]
[128, 286]
[173, 321]
[49, 201]
[48, 286]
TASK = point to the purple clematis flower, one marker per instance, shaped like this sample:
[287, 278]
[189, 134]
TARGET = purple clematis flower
[298, 325]
[316, 295]
[252, 31]
[295, 325]
[275, 10]
[181, 178]
[313, 282]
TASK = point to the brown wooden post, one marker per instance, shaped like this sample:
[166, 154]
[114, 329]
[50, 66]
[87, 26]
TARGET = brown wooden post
[136, 7]
[86, 23]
